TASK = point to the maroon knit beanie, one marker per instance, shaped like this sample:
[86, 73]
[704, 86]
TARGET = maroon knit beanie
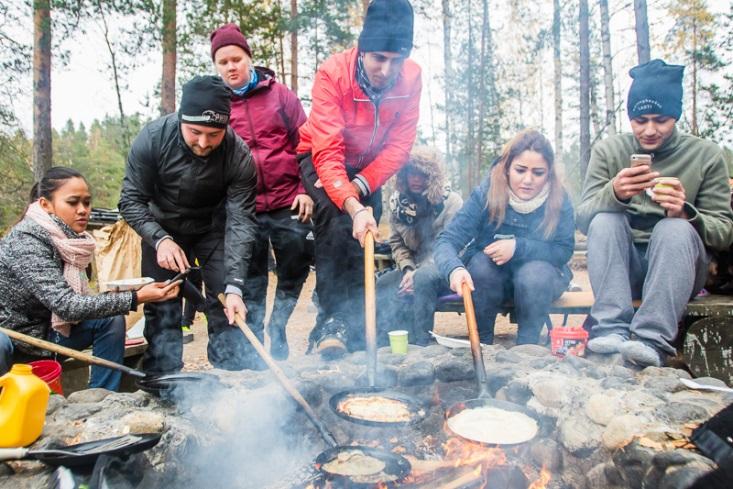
[227, 35]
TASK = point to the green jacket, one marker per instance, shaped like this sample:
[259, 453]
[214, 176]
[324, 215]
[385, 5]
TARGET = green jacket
[698, 164]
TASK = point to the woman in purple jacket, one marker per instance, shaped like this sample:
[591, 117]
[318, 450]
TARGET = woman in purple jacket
[267, 115]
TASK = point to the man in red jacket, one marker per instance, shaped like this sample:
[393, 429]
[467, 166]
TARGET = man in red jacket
[267, 115]
[360, 131]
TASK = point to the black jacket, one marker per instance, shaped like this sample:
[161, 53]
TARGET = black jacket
[167, 190]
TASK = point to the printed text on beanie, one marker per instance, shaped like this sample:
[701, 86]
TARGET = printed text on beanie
[656, 89]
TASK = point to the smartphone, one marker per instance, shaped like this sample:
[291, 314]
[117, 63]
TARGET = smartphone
[640, 159]
[182, 275]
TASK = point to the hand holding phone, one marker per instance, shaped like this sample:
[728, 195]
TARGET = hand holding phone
[636, 178]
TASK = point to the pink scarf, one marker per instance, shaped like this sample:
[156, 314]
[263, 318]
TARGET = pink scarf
[76, 253]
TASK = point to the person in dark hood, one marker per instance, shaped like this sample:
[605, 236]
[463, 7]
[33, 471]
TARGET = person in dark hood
[267, 115]
[420, 208]
[360, 131]
[650, 239]
[189, 192]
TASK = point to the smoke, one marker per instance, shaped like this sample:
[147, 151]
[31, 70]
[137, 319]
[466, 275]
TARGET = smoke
[245, 439]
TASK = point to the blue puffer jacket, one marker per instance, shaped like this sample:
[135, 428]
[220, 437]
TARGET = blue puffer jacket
[471, 230]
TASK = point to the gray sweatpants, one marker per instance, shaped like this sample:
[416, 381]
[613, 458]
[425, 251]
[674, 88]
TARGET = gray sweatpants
[665, 275]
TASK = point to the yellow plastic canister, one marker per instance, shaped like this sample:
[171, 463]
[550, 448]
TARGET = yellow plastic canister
[23, 402]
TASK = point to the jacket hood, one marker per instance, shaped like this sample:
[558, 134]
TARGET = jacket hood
[427, 160]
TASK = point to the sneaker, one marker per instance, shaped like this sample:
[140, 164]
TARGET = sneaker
[610, 343]
[329, 340]
[187, 334]
[641, 354]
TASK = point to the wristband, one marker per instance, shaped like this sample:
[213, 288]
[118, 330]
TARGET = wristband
[363, 209]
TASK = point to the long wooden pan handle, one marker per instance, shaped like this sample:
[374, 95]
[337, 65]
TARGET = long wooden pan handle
[370, 309]
[473, 338]
[282, 378]
[69, 352]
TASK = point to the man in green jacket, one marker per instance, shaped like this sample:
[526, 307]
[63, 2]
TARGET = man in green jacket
[648, 238]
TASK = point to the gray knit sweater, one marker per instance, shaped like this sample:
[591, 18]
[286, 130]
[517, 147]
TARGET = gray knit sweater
[32, 285]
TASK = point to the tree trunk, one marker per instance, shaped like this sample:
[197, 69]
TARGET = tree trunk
[584, 86]
[557, 59]
[364, 5]
[471, 126]
[693, 126]
[42, 135]
[294, 46]
[643, 50]
[448, 63]
[483, 93]
[168, 82]
[281, 55]
[610, 119]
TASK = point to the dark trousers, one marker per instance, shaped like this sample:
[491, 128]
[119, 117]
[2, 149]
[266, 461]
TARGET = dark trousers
[228, 348]
[106, 336]
[532, 285]
[293, 257]
[189, 306]
[428, 284]
[339, 258]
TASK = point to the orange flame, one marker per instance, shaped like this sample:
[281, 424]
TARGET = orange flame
[542, 481]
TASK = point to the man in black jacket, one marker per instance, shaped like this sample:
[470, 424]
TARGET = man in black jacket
[189, 192]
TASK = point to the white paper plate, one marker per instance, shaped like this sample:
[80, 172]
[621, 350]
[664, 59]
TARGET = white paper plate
[128, 284]
[452, 342]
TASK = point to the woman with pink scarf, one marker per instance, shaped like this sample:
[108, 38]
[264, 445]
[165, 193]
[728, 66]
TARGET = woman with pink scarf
[44, 288]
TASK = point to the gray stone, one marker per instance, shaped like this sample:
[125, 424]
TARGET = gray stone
[682, 412]
[620, 383]
[389, 358]
[682, 477]
[551, 391]
[357, 358]
[432, 351]
[461, 352]
[602, 407]
[664, 372]
[633, 461]
[453, 369]
[386, 377]
[531, 350]
[517, 392]
[579, 436]
[540, 363]
[144, 422]
[419, 373]
[679, 457]
[311, 392]
[621, 371]
[578, 363]
[564, 369]
[88, 395]
[711, 381]
[499, 376]
[612, 359]
[507, 357]
[71, 411]
[5, 470]
[621, 430]
[596, 477]
[547, 453]
[54, 402]
[664, 384]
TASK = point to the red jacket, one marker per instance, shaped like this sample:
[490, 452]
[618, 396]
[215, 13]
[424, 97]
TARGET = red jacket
[342, 128]
[268, 118]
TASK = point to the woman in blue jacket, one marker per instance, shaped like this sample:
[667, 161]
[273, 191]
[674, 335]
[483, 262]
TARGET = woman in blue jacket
[511, 240]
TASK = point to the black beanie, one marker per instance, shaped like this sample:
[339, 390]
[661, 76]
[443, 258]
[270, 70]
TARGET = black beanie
[387, 27]
[206, 101]
[656, 89]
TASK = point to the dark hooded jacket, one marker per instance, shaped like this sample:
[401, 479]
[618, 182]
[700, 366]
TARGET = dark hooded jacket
[415, 220]
[268, 117]
[168, 190]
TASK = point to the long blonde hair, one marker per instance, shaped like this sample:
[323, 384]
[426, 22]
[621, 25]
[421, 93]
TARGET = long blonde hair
[498, 195]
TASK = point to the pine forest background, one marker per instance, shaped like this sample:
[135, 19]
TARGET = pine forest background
[490, 68]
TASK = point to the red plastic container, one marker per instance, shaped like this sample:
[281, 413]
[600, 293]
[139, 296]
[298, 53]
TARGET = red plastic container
[568, 341]
[49, 371]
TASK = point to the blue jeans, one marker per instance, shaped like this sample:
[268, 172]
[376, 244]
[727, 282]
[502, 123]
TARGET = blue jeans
[107, 338]
[6, 353]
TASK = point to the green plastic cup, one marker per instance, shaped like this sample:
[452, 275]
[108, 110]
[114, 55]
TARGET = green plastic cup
[398, 341]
